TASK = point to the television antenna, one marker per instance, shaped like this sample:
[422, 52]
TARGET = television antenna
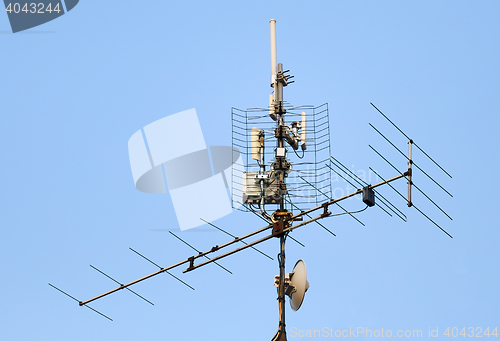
[255, 188]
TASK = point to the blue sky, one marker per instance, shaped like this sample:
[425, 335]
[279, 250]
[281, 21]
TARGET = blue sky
[74, 90]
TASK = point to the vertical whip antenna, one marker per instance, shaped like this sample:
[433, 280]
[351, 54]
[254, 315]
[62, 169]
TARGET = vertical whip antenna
[274, 62]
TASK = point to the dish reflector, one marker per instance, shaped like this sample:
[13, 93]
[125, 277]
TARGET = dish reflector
[298, 280]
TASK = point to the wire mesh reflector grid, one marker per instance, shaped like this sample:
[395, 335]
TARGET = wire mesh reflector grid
[309, 181]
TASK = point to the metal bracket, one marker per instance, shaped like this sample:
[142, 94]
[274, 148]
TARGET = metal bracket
[277, 228]
[191, 263]
[325, 210]
[280, 219]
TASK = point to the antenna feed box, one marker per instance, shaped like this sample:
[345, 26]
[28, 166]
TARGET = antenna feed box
[251, 188]
[369, 196]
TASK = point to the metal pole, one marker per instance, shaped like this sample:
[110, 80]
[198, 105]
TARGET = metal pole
[279, 99]
[279, 87]
[281, 291]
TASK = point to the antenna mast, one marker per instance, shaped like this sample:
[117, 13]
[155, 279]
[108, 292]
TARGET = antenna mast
[260, 187]
[282, 168]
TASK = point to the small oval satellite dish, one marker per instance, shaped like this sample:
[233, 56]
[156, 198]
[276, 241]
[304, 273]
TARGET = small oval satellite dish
[298, 280]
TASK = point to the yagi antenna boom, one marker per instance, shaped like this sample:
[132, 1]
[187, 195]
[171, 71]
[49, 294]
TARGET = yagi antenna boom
[114, 280]
[149, 260]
